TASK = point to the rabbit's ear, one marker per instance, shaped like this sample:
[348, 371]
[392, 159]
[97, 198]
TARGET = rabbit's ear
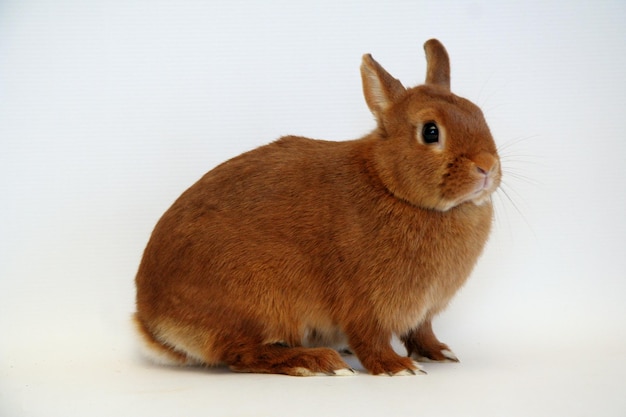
[380, 88]
[438, 64]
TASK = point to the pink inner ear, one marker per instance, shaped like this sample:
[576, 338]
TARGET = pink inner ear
[379, 87]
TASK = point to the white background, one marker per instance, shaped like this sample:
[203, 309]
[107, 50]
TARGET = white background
[110, 109]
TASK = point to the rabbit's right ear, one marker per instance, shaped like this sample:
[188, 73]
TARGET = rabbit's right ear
[380, 88]
[438, 64]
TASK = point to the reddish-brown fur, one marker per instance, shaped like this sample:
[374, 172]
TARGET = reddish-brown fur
[310, 243]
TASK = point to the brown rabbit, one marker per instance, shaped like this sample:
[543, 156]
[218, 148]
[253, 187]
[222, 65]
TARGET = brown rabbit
[301, 245]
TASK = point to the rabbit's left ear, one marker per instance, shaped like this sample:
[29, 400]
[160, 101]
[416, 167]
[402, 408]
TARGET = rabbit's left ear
[438, 64]
[380, 88]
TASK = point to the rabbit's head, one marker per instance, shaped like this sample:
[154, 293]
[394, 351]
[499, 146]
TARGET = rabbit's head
[433, 148]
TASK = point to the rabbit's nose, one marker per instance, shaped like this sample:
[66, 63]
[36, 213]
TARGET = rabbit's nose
[486, 171]
[485, 163]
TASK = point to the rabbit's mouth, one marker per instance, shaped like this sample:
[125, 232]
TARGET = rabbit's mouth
[485, 186]
[486, 178]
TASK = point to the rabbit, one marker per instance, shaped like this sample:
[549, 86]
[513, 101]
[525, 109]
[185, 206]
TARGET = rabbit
[278, 256]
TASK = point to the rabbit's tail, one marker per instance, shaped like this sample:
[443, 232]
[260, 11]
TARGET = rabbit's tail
[159, 352]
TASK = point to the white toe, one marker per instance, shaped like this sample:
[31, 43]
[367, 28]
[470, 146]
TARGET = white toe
[345, 372]
[338, 372]
[410, 372]
[418, 369]
[306, 372]
[406, 372]
[450, 355]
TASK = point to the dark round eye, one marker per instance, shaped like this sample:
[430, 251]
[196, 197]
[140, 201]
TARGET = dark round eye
[430, 133]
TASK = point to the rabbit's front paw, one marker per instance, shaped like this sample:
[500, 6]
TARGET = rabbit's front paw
[393, 366]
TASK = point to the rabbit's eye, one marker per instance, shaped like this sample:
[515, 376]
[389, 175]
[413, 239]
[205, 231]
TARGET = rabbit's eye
[430, 133]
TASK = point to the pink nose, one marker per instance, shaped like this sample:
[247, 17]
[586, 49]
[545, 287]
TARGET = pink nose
[486, 170]
[485, 163]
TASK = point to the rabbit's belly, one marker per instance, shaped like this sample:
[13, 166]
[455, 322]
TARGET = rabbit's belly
[330, 336]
